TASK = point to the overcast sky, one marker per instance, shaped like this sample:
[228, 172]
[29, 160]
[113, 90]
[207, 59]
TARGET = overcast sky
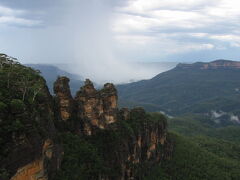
[101, 36]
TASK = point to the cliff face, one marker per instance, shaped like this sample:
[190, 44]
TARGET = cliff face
[35, 152]
[29, 149]
[144, 148]
[144, 142]
[92, 108]
[97, 109]
[125, 143]
[64, 98]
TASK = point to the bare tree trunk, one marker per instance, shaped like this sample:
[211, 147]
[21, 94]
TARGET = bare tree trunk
[35, 94]
[24, 93]
[8, 80]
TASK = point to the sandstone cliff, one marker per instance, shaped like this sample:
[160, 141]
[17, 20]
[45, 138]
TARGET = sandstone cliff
[29, 148]
[111, 144]
[131, 140]
[90, 109]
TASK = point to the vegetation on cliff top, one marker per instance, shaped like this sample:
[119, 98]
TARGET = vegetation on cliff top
[25, 119]
[87, 157]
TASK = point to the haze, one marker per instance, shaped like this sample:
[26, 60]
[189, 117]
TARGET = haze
[103, 40]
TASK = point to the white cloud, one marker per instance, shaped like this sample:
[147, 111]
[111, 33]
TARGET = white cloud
[5, 11]
[234, 118]
[142, 6]
[232, 39]
[141, 22]
[101, 37]
[10, 20]
[9, 16]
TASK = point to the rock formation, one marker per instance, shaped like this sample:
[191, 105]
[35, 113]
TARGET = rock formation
[37, 169]
[64, 98]
[97, 110]
[33, 152]
[30, 119]
[142, 147]
[93, 108]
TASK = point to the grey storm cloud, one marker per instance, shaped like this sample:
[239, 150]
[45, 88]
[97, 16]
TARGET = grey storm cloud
[100, 38]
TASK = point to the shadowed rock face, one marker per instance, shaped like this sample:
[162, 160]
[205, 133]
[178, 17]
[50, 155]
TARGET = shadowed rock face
[64, 98]
[93, 108]
[35, 152]
[36, 169]
[143, 146]
[109, 98]
[97, 110]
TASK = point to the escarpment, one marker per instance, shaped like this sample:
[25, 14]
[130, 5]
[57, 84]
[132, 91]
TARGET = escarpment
[132, 141]
[139, 149]
[29, 147]
[45, 137]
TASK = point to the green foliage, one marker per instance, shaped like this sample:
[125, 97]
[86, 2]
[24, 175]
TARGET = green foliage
[87, 157]
[139, 119]
[17, 106]
[3, 107]
[219, 147]
[20, 111]
[81, 160]
[17, 81]
[209, 152]
[195, 125]
[191, 161]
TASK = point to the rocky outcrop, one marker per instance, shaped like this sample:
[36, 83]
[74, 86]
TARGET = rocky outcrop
[146, 147]
[109, 98]
[97, 109]
[64, 98]
[143, 143]
[92, 108]
[36, 169]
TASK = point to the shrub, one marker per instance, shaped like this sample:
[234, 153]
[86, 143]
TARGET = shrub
[17, 106]
[3, 107]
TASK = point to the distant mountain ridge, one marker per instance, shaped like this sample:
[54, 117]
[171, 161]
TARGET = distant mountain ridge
[51, 73]
[210, 88]
[221, 63]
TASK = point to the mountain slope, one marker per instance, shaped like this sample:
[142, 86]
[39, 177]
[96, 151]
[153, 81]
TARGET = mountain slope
[99, 140]
[211, 88]
[51, 72]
